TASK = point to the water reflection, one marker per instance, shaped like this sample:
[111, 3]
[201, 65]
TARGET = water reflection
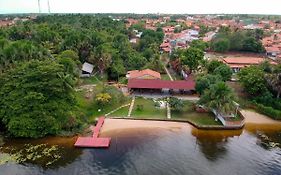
[213, 143]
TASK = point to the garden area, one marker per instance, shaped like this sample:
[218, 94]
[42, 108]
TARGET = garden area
[148, 109]
[188, 113]
[102, 100]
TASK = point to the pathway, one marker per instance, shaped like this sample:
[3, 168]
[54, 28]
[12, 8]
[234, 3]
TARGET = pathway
[116, 109]
[166, 70]
[168, 109]
[168, 73]
[254, 117]
[131, 106]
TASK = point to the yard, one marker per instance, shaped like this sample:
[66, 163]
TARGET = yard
[123, 112]
[90, 108]
[189, 114]
[145, 108]
[96, 79]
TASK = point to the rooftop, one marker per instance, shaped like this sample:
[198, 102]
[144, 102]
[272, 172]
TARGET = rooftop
[245, 60]
[161, 84]
[140, 73]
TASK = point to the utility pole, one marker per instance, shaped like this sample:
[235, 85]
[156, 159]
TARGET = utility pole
[39, 6]
[49, 9]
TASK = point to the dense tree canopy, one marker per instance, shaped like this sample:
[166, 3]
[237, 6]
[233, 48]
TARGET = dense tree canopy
[192, 57]
[98, 40]
[36, 99]
[252, 78]
[249, 41]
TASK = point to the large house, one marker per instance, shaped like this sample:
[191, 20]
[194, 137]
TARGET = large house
[236, 63]
[143, 74]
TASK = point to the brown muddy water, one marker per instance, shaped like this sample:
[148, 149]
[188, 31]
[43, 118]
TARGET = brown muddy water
[255, 150]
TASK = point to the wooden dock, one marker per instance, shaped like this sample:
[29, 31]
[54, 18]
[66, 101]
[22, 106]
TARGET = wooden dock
[94, 141]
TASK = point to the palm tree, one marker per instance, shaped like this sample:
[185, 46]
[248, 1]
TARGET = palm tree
[274, 80]
[219, 97]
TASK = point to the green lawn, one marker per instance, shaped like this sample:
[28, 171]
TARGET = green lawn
[123, 112]
[148, 110]
[189, 114]
[165, 77]
[93, 80]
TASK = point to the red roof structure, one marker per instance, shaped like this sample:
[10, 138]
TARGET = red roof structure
[244, 61]
[142, 74]
[161, 84]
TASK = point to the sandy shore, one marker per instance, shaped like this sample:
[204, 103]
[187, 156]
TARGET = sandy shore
[253, 117]
[117, 125]
[253, 121]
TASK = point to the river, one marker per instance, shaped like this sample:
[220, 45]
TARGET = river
[157, 149]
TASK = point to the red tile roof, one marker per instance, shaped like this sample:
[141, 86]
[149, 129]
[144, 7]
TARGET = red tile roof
[161, 84]
[245, 60]
[141, 73]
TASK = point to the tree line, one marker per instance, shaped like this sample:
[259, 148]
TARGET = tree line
[40, 61]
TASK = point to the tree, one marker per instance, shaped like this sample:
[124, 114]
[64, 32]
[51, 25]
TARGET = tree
[70, 67]
[224, 71]
[274, 80]
[70, 54]
[212, 65]
[252, 79]
[253, 45]
[117, 68]
[103, 56]
[35, 100]
[204, 82]
[220, 45]
[236, 41]
[219, 97]
[192, 58]
[199, 44]
[176, 104]
[103, 98]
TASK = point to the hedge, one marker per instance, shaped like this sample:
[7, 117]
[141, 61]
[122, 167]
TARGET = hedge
[269, 111]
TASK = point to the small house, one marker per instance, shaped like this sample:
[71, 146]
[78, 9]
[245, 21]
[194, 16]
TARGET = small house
[87, 70]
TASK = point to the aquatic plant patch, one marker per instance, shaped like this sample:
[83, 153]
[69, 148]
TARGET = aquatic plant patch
[42, 154]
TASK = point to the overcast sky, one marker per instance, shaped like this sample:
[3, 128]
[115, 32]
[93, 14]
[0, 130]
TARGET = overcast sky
[144, 6]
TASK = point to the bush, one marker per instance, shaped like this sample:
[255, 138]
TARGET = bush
[139, 107]
[269, 111]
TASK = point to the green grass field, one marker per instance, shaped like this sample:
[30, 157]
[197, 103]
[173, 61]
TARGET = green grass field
[148, 110]
[123, 112]
[189, 114]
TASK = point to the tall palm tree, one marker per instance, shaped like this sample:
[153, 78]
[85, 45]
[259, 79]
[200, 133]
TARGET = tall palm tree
[219, 97]
[274, 80]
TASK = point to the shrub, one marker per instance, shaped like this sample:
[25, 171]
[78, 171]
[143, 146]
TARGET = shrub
[139, 107]
[269, 111]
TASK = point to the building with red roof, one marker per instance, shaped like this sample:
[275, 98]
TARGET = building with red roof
[236, 63]
[161, 85]
[143, 74]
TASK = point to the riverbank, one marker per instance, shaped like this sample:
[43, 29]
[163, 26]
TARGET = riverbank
[117, 125]
[253, 121]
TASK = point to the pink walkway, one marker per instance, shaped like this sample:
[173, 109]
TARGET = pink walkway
[94, 141]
